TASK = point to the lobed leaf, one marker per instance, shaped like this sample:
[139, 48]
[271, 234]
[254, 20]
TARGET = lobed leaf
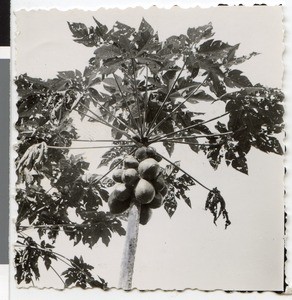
[199, 33]
[235, 79]
[216, 205]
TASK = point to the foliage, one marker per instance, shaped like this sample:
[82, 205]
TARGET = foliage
[216, 204]
[177, 188]
[27, 265]
[146, 91]
[26, 259]
[80, 275]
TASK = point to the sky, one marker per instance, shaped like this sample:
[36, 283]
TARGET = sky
[187, 251]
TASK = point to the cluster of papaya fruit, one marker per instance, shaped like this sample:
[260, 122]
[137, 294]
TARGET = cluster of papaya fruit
[140, 180]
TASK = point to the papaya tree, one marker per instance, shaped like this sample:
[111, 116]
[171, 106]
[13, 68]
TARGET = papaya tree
[146, 92]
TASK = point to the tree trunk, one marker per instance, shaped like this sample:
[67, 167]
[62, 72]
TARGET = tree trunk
[128, 260]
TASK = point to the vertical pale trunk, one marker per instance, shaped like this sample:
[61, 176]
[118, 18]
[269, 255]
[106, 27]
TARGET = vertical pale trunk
[128, 260]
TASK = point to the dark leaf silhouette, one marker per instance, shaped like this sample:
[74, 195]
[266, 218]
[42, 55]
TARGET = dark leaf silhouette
[27, 259]
[177, 188]
[235, 79]
[96, 226]
[216, 205]
[79, 275]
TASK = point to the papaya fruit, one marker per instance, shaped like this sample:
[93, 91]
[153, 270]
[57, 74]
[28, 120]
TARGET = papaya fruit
[149, 169]
[141, 154]
[130, 176]
[158, 158]
[117, 207]
[159, 183]
[151, 152]
[120, 192]
[156, 202]
[144, 191]
[117, 175]
[145, 214]
[130, 162]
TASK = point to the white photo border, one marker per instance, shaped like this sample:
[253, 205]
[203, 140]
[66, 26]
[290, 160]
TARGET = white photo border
[187, 294]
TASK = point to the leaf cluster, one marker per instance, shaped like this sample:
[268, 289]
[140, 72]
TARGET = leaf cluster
[27, 259]
[178, 185]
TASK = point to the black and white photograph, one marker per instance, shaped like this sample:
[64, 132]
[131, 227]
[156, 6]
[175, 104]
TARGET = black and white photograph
[150, 149]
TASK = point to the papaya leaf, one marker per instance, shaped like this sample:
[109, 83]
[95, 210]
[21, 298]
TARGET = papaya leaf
[111, 65]
[84, 35]
[146, 40]
[240, 164]
[100, 29]
[27, 85]
[232, 60]
[171, 169]
[145, 27]
[177, 188]
[170, 203]
[192, 144]
[187, 201]
[168, 77]
[216, 84]
[231, 55]
[202, 32]
[215, 50]
[79, 30]
[79, 274]
[175, 45]
[169, 146]
[47, 254]
[268, 144]
[27, 262]
[113, 153]
[27, 259]
[235, 79]
[122, 30]
[201, 96]
[216, 205]
[97, 226]
[107, 51]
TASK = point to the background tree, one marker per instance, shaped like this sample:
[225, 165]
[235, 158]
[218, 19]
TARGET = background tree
[146, 92]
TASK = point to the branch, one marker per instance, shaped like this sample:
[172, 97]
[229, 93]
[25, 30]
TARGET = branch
[164, 101]
[125, 100]
[146, 97]
[48, 226]
[102, 141]
[39, 247]
[190, 143]
[195, 136]
[90, 147]
[111, 114]
[61, 257]
[182, 103]
[90, 117]
[190, 127]
[137, 99]
[33, 214]
[58, 275]
[108, 124]
[198, 182]
[51, 267]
